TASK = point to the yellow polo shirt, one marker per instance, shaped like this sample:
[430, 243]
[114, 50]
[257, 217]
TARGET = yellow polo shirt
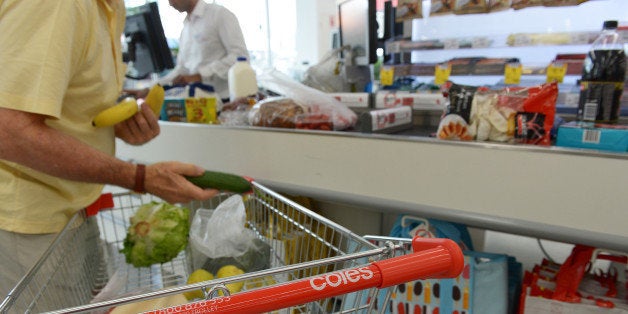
[62, 59]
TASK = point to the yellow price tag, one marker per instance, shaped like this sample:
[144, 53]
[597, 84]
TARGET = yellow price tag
[512, 73]
[441, 73]
[556, 72]
[387, 76]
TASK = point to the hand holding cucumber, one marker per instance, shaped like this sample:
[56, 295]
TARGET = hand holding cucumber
[171, 180]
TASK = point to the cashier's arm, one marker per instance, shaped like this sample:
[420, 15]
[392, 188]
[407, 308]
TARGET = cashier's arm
[26, 139]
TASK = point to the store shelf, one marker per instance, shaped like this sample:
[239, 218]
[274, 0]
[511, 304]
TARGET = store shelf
[515, 40]
[572, 196]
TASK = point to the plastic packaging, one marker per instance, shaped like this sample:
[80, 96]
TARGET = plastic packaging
[299, 106]
[603, 76]
[242, 80]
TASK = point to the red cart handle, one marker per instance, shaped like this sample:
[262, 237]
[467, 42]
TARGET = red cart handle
[432, 258]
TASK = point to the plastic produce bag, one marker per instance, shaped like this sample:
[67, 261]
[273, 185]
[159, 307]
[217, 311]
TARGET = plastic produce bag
[222, 238]
[328, 75]
[299, 106]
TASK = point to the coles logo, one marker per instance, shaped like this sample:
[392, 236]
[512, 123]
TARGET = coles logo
[336, 279]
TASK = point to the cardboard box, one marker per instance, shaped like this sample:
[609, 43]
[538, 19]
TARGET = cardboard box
[419, 101]
[604, 137]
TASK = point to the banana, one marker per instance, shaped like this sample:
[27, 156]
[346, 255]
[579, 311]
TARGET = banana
[116, 114]
[155, 98]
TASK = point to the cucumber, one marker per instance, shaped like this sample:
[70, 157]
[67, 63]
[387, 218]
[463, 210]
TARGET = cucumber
[221, 181]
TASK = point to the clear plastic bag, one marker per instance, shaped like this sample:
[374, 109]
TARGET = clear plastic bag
[219, 237]
[221, 232]
[299, 106]
[328, 75]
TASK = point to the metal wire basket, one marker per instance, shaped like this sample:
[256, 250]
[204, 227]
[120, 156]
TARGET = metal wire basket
[302, 249]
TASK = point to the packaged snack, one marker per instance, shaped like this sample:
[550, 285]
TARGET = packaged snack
[471, 6]
[511, 115]
[408, 9]
[440, 7]
[534, 122]
[455, 122]
[557, 3]
[499, 5]
[520, 4]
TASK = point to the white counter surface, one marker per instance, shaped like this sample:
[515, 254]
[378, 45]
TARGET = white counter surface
[565, 195]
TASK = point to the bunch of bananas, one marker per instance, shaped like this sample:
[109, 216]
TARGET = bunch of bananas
[129, 106]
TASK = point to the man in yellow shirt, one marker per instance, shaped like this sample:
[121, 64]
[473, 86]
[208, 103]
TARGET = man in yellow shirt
[61, 65]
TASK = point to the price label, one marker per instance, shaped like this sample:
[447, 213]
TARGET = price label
[556, 72]
[441, 73]
[512, 73]
[387, 76]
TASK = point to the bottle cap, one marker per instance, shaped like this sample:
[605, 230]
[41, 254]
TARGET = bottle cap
[610, 24]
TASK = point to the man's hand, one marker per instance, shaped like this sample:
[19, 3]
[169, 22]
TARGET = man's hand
[167, 180]
[140, 128]
[186, 79]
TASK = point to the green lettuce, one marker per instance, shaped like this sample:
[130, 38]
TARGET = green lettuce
[156, 235]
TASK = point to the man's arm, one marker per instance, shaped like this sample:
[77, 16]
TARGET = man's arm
[26, 139]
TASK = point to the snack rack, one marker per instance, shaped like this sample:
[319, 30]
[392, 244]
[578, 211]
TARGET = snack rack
[306, 251]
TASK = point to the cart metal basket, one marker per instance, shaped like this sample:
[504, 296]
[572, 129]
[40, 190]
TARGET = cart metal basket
[314, 266]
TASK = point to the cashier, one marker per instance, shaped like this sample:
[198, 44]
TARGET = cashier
[56, 76]
[210, 43]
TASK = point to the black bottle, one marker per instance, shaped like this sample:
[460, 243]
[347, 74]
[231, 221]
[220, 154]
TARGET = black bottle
[603, 76]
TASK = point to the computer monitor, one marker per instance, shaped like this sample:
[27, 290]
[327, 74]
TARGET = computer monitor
[147, 48]
[358, 28]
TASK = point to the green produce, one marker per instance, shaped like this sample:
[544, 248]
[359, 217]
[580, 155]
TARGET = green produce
[158, 232]
[222, 181]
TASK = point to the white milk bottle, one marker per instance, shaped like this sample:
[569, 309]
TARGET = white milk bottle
[242, 80]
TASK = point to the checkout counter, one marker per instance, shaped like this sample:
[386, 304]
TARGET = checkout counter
[566, 195]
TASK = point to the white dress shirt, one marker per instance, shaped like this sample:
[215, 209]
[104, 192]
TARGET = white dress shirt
[210, 43]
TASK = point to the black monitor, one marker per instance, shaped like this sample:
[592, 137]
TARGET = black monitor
[147, 48]
[358, 28]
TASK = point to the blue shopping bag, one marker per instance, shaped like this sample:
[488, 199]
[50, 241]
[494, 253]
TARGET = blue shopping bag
[482, 287]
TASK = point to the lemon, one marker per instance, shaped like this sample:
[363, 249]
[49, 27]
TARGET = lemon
[229, 271]
[198, 275]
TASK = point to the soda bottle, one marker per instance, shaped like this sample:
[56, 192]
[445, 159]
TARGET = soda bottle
[603, 76]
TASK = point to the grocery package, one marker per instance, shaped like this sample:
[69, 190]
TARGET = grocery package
[195, 103]
[510, 115]
[555, 3]
[408, 9]
[590, 280]
[606, 137]
[471, 6]
[603, 76]
[520, 4]
[499, 5]
[440, 7]
[299, 106]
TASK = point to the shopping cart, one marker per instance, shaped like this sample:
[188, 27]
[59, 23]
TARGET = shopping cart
[315, 266]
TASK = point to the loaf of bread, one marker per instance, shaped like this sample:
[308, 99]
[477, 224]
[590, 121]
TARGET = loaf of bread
[278, 112]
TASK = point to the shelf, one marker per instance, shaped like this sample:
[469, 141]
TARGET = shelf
[516, 40]
[572, 196]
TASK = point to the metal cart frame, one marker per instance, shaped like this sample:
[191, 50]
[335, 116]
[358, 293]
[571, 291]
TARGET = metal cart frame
[316, 265]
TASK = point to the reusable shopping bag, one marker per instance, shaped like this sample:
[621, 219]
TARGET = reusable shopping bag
[482, 287]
